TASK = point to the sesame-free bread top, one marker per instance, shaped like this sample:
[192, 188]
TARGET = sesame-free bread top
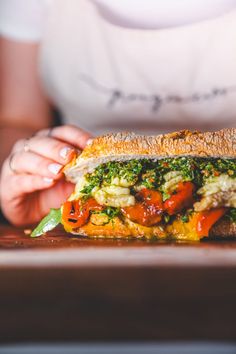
[127, 146]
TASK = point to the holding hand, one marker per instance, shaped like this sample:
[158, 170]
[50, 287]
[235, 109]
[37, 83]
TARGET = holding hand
[31, 178]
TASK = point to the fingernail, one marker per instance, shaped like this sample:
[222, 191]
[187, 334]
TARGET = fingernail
[65, 152]
[89, 141]
[48, 180]
[55, 168]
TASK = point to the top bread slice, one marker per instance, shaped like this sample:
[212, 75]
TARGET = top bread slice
[127, 146]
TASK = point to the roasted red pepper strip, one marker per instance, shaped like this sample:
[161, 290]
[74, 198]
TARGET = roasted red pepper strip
[183, 198]
[76, 213]
[206, 219]
[148, 209]
[151, 198]
[141, 214]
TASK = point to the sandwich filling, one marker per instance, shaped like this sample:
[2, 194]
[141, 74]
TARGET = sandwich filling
[179, 197]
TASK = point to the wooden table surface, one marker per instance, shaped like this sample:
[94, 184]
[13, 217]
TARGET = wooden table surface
[59, 287]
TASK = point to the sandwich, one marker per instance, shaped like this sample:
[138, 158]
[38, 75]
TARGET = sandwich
[178, 186]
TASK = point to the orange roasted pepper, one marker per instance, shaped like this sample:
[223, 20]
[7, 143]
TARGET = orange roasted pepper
[148, 209]
[76, 213]
[183, 198]
[206, 219]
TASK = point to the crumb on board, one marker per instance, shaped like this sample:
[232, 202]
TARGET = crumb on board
[27, 231]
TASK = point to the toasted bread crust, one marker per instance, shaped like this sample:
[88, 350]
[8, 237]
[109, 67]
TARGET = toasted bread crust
[223, 229]
[126, 146]
[119, 229]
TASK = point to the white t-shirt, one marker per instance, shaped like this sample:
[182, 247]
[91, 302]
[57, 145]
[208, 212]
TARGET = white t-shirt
[24, 19]
[153, 65]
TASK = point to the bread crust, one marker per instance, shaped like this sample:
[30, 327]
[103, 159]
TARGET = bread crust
[126, 146]
[223, 229]
[127, 229]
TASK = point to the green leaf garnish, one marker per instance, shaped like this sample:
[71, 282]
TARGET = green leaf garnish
[185, 218]
[48, 223]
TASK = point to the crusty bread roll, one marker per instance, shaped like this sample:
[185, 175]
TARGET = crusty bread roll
[127, 146]
[223, 229]
[128, 229]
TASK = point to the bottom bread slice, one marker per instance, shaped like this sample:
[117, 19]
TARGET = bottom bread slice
[118, 228]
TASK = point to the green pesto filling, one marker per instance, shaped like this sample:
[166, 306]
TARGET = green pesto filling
[231, 214]
[150, 173]
[109, 211]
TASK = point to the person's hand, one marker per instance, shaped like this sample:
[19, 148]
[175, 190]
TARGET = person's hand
[31, 179]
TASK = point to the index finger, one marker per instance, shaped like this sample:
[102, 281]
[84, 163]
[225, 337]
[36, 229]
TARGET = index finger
[69, 134]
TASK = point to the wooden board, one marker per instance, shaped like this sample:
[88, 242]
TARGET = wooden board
[59, 287]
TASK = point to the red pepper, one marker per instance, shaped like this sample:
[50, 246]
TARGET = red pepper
[151, 198]
[183, 198]
[206, 219]
[147, 211]
[76, 213]
[141, 214]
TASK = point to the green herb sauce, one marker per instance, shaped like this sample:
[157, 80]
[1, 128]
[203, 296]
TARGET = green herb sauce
[150, 173]
[231, 214]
